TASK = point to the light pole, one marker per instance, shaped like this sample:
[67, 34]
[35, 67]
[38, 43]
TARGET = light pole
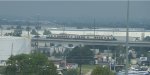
[38, 28]
[1, 30]
[127, 38]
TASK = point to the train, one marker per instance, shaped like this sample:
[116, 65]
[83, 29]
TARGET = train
[81, 37]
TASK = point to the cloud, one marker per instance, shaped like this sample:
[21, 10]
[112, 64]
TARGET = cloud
[74, 0]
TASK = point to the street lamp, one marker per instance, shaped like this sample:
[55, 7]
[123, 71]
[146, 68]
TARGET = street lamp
[127, 38]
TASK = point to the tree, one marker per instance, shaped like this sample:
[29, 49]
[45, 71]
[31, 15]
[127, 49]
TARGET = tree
[1, 28]
[147, 38]
[80, 55]
[30, 64]
[119, 54]
[65, 53]
[54, 53]
[12, 27]
[46, 32]
[33, 32]
[17, 32]
[58, 54]
[102, 71]
[18, 27]
[38, 27]
[8, 34]
[28, 28]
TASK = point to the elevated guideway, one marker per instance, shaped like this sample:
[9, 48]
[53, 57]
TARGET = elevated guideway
[92, 42]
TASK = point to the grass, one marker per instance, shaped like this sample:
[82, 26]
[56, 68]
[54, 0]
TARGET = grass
[1, 69]
[86, 68]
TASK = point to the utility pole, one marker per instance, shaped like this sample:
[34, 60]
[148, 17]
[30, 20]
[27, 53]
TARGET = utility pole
[115, 61]
[80, 63]
[63, 29]
[12, 49]
[94, 35]
[80, 68]
[28, 29]
[65, 62]
[11, 55]
[38, 28]
[1, 30]
[94, 28]
[127, 39]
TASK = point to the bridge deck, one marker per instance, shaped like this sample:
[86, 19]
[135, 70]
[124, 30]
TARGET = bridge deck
[95, 42]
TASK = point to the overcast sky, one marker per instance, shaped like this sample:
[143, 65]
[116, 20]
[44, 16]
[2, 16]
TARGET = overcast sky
[74, 0]
[104, 10]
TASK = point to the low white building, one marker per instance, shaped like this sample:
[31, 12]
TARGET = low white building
[12, 46]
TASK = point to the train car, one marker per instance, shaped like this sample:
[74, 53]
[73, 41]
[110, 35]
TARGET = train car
[82, 37]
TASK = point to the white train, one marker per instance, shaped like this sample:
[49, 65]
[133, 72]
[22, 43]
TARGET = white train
[81, 37]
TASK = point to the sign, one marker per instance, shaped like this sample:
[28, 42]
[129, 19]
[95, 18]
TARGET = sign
[143, 58]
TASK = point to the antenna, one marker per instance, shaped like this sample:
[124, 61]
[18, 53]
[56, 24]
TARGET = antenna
[127, 38]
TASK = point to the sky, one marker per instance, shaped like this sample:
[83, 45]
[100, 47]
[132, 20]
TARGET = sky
[103, 10]
[74, 0]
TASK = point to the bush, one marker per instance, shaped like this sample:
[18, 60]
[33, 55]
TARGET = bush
[30, 64]
[102, 71]
[70, 72]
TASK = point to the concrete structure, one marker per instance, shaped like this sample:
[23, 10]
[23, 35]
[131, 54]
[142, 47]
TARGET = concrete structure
[76, 42]
[116, 32]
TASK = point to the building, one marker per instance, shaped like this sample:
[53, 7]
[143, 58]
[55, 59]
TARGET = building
[12, 46]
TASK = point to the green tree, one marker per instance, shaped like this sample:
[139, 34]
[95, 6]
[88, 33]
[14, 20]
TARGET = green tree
[102, 71]
[33, 32]
[28, 28]
[80, 55]
[30, 64]
[18, 27]
[1, 29]
[118, 54]
[58, 54]
[38, 27]
[65, 53]
[17, 32]
[54, 53]
[147, 38]
[12, 27]
[46, 32]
